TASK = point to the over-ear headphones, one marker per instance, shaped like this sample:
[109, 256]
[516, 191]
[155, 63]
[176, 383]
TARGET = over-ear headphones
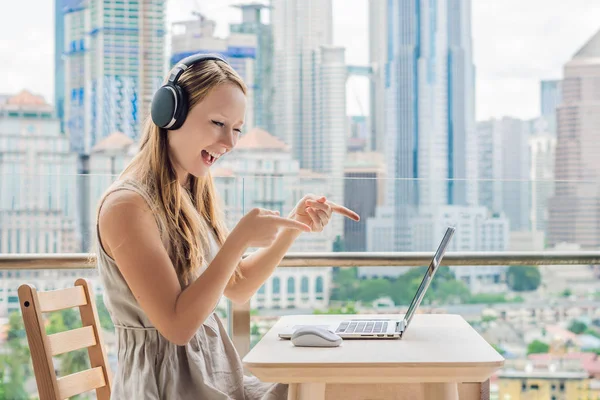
[170, 103]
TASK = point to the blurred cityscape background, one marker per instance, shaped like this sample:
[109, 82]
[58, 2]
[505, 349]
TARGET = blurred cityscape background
[381, 105]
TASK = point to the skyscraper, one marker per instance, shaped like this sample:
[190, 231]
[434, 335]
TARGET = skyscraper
[575, 207]
[378, 53]
[252, 23]
[429, 107]
[309, 77]
[114, 61]
[504, 167]
[59, 47]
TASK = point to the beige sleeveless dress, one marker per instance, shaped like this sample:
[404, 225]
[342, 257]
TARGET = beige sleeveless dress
[150, 367]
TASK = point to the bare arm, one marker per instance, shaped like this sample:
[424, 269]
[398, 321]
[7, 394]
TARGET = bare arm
[130, 235]
[268, 258]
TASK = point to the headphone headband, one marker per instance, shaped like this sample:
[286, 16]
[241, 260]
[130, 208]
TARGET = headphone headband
[170, 103]
[187, 62]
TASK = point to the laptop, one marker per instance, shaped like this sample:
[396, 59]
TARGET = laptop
[384, 328]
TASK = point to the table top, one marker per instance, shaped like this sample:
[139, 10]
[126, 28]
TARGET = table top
[435, 348]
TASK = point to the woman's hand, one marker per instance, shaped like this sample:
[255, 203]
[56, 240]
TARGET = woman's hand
[315, 211]
[259, 228]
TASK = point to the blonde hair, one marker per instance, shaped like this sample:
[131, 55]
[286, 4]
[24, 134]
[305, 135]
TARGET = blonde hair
[180, 210]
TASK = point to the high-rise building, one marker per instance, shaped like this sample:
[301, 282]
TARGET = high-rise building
[114, 54]
[37, 179]
[550, 98]
[429, 108]
[264, 91]
[462, 137]
[59, 47]
[504, 168]
[239, 49]
[575, 207]
[542, 150]
[378, 55]
[310, 84]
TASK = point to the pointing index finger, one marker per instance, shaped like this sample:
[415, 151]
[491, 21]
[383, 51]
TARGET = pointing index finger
[344, 211]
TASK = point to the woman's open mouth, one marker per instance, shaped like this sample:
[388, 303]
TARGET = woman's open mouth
[209, 157]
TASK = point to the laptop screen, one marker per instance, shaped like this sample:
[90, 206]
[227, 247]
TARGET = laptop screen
[433, 266]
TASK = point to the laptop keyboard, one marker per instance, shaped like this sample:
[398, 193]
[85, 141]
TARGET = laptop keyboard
[363, 327]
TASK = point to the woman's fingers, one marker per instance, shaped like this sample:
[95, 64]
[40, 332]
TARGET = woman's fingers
[320, 206]
[344, 211]
[323, 217]
[289, 223]
[317, 225]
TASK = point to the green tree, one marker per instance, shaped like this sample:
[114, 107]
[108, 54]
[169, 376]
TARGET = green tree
[537, 347]
[104, 315]
[345, 284]
[372, 289]
[567, 293]
[74, 361]
[523, 278]
[15, 367]
[498, 349]
[449, 291]
[577, 327]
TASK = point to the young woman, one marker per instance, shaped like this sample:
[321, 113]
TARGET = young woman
[165, 257]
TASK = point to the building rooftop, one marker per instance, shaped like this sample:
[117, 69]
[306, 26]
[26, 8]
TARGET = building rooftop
[259, 139]
[590, 362]
[542, 374]
[591, 49]
[116, 141]
[26, 98]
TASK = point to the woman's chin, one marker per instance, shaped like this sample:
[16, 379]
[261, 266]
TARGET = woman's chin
[199, 171]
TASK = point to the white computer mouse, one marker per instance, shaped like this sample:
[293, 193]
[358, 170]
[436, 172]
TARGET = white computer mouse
[315, 336]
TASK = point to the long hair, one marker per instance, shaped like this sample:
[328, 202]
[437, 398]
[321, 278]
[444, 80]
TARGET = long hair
[180, 210]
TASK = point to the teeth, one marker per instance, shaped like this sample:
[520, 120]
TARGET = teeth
[215, 155]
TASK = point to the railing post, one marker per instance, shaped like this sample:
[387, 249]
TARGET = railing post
[241, 327]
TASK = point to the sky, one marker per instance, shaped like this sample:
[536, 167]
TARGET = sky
[516, 43]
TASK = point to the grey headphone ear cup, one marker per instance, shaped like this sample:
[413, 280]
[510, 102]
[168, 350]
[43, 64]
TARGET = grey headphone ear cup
[164, 105]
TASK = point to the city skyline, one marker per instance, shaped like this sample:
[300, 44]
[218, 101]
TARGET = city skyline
[508, 71]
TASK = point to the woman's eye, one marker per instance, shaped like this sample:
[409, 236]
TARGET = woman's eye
[217, 123]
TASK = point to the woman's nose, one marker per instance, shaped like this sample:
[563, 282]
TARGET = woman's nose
[230, 139]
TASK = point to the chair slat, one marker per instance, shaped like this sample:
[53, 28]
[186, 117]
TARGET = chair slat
[75, 339]
[80, 382]
[55, 300]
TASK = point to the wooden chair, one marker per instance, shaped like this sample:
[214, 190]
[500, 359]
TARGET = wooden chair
[43, 347]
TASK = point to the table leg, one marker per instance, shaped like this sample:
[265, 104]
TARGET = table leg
[306, 391]
[474, 391]
[440, 391]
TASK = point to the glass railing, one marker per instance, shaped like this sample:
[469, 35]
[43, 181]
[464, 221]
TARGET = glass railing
[522, 266]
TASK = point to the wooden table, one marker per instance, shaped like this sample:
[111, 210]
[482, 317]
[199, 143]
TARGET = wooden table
[440, 357]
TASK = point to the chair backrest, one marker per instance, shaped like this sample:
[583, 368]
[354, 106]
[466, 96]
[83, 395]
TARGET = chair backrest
[43, 346]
